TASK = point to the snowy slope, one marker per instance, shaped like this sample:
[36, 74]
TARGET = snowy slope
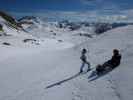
[20, 38]
[26, 72]
[40, 28]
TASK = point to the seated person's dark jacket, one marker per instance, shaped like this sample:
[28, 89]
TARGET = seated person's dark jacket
[115, 60]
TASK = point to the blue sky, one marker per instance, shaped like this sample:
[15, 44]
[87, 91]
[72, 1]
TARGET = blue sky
[64, 5]
[71, 9]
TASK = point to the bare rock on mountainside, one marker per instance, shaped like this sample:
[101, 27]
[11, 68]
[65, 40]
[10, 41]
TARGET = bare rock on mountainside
[10, 20]
[27, 40]
[27, 20]
[32, 41]
[103, 27]
[99, 27]
[6, 43]
[1, 28]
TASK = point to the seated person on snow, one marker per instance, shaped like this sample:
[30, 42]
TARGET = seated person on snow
[112, 63]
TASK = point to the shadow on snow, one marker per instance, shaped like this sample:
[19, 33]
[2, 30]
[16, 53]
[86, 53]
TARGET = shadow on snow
[63, 81]
[67, 79]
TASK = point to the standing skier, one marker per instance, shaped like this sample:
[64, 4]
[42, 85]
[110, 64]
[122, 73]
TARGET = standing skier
[84, 60]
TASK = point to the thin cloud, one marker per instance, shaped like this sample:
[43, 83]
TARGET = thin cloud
[119, 16]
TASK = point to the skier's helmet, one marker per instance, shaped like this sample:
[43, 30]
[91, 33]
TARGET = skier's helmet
[84, 50]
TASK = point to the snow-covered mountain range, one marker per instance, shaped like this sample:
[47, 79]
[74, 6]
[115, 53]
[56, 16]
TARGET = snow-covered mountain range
[36, 54]
[82, 27]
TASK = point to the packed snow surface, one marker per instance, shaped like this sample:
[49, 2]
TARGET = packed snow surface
[27, 69]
